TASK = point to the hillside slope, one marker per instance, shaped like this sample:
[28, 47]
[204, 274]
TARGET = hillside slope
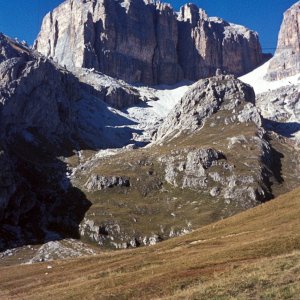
[211, 160]
[253, 255]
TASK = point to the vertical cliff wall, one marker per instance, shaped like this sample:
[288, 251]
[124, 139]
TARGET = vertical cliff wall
[140, 41]
[286, 61]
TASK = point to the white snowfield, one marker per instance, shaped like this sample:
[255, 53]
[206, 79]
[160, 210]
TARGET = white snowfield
[149, 115]
[153, 111]
[260, 85]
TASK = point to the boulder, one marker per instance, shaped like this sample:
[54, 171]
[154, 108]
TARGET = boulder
[97, 182]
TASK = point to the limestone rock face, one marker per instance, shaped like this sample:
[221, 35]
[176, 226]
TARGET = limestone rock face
[128, 40]
[197, 162]
[35, 95]
[139, 41]
[286, 61]
[208, 44]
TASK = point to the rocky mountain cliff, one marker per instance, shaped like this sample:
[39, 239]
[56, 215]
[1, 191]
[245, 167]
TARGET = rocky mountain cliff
[38, 124]
[286, 61]
[35, 95]
[140, 41]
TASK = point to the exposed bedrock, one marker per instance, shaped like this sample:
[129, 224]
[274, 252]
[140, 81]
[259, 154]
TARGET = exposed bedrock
[286, 61]
[139, 41]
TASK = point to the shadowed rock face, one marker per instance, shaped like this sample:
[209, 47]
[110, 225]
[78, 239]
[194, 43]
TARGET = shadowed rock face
[37, 125]
[35, 95]
[206, 44]
[7, 181]
[139, 41]
[286, 61]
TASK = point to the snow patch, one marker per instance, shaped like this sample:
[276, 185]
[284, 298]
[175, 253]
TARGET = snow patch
[151, 114]
[261, 85]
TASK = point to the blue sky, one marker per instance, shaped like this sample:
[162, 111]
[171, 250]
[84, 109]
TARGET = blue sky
[23, 18]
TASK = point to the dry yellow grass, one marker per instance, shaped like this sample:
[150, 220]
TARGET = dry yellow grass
[269, 278]
[253, 255]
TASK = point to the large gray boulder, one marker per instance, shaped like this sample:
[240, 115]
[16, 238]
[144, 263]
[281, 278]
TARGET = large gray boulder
[140, 41]
[98, 182]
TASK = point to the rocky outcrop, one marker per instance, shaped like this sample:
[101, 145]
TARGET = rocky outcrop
[140, 41]
[97, 182]
[225, 103]
[281, 111]
[48, 252]
[205, 98]
[116, 93]
[54, 250]
[113, 236]
[286, 61]
[197, 162]
[220, 177]
[192, 164]
[281, 105]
